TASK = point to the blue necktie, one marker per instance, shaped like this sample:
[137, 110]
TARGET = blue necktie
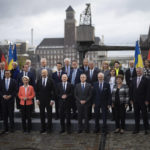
[7, 84]
[82, 87]
[100, 87]
[73, 77]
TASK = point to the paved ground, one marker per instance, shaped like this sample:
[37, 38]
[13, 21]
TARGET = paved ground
[128, 141]
[53, 141]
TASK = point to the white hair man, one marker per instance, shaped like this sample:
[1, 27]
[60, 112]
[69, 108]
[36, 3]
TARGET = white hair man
[43, 66]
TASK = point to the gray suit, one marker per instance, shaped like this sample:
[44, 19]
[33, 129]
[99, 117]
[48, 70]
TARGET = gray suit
[38, 74]
[83, 109]
[33, 71]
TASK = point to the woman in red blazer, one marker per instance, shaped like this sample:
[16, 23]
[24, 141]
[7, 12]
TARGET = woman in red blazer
[26, 94]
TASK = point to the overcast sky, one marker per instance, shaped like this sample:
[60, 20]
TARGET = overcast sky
[120, 21]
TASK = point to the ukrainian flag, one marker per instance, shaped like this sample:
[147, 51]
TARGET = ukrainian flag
[10, 58]
[138, 61]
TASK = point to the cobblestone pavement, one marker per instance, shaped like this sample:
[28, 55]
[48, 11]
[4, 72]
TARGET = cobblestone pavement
[53, 141]
[128, 141]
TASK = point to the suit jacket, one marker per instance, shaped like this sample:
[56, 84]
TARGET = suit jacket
[102, 98]
[77, 78]
[106, 75]
[82, 68]
[30, 95]
[140, 94]
[47, 93]
[11, 91]
[31, 77]
[56, 78]
[15, 73]
[68, 92]
[83, 95]
[33, 71]
[64, 69]
[38, 74]
[94, 77]
[129, 77]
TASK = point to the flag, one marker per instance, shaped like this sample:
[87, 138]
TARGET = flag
[148, 57]
[138, 61]
[15, 53]
[10, 58]
[4, 60]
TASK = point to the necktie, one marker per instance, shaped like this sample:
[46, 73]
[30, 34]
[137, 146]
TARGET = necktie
[82, 87]
[58, 74]
[43, 82]
[7, 84]
[91, 74]
[64, 87]
[73, 77]
[138, 82]
[100, 87]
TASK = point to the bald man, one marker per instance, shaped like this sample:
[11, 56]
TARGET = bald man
[45, 94]
[64, 93]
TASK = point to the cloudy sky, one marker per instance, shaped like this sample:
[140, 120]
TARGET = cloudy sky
[120, 21]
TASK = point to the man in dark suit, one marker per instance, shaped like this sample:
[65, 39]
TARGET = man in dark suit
[102, 99]
[74, 79]
[140, 98]
[129, 75]
[67, 67]
[83, 94]
[64, 93]
[56, 76]
[43, 66]
[45, 93]
[2, 76]
[92, 73]
[30, 68]
[8, 91]
[92, 78]
[85, 66]
[117, 68]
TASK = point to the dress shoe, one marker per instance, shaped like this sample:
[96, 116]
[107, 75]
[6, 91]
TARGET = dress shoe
[62, 131]
[135, 131]
[42, 131]
[4, 132]
[96, 131]
[79, 131]
[146, 132]
[87, 131]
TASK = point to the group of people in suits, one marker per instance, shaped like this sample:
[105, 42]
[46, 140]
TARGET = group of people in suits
[75, 90]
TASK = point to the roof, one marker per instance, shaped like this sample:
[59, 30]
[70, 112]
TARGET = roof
[69, 9]
[52, 42]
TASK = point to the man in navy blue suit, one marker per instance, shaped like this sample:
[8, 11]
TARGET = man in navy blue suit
[56, 76]
[102, 100]
[74, 79]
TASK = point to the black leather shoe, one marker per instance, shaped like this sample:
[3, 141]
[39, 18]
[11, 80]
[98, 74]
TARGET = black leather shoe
[43, 131]
[146, 132]
[4, 132]
[96, 131]
[135, 131]
[79, 131]
[87, 131]
[62, 131]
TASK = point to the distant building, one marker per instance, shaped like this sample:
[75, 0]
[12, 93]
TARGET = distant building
[145, 42]
[56, 49]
